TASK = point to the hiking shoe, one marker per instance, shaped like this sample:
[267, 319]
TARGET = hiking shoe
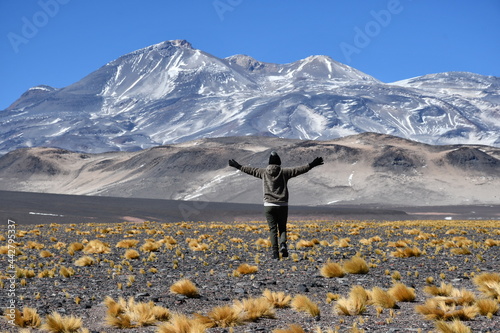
[276, 255]
[283, 250]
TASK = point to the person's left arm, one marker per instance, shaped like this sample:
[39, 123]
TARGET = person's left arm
[294, 172]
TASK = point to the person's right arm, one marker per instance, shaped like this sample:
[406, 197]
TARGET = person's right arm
[256, 172]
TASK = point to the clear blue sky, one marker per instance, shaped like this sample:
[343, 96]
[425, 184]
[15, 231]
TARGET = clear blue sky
[45, 43]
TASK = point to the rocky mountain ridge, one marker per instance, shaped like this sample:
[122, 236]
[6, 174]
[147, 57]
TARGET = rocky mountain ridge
[367, 168]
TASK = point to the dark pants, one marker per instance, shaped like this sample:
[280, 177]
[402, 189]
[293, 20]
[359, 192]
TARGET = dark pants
[277, 217]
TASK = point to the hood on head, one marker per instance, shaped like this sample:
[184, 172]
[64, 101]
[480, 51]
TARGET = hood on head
[274, 158]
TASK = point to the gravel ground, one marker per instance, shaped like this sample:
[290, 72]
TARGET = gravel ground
[223, 247]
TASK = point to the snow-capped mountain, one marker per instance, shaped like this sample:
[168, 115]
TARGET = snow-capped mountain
[171, 92]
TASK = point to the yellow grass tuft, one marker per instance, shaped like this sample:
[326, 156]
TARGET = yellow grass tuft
[45, 254]
[55, 323]
[131, 254]
[294, 328]
[180, 323]
[96, 246]
[331, 270]
[406, 252]
[263, 242]
[354, 305]
[443, 290]
[488, 284]
[304, 243]
[127, 314]
[461, 250]
[185, 287]
[382, 298]
[456, 326]
[252, 309]
[487, 307]
[150, 246]
[66, 272]
[194, 245]
[491, 242]
[127, 243]
[278, 299]
[221, 316]
[75, 247]
[32, 245]
[304, 304]
[27, 318]
[356, 265]
[438, 309]
[84, 261]
[246, 269]
[402, 293]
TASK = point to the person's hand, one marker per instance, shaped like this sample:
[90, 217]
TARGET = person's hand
[234, 164]
[317, 161]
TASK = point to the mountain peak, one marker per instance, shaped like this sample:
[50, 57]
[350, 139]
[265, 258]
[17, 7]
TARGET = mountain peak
[178, 43]
[246, 62]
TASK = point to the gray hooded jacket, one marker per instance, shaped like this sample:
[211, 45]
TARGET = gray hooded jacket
[274, 179]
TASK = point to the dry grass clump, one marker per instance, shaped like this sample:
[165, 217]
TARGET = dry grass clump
[402, 293]
[461, 250]
[293, 328]
[263, 242]
[370, 240]
[84, 261]
[56, 323]
[343, 242]
[277, 299]
[443, 290]
[194, 245]
[406, 252]
[33, 245]
[96, 246]
[252, 309]
[356, 265]
[399, 243]
[131, 254]
[355, 304]
[492, 242]
[185, 287]
[487, 307]
[150, 246]
[180, 323]
[488, 284]
[221, 316]
[456, 326]
[438, 309]
[331, 270]
[74, 247]
[304, 243]
[302, 303]
[244, 269]
[24, 273]
[27, 318]
[45, 254]
[382, 298]
[66, 272]
[127, 243]
[127, 314]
